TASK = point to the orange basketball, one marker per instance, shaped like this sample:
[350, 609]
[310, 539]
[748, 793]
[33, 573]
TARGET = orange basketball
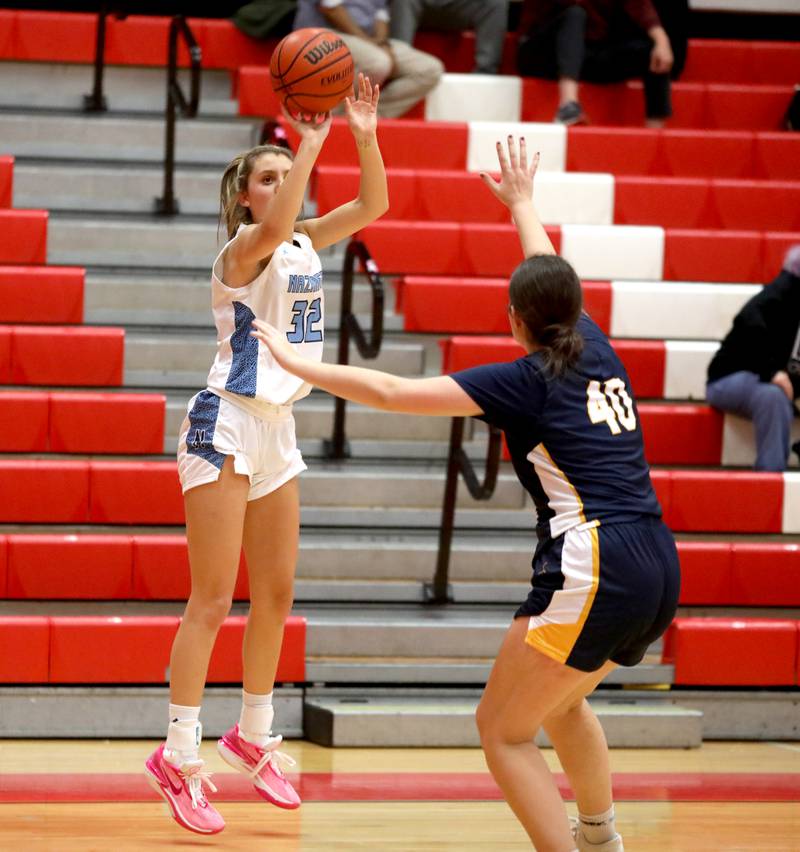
[312, 70]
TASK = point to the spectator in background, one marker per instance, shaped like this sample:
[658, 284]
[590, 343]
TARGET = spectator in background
[405, 75]
[756, 371]
[489, 19]
[602, 41]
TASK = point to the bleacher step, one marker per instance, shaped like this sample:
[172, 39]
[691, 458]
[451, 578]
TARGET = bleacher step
[441, 721]
[183, 359]
[42, 85]
[440, 671]
[126, 711]
[74, 136]
[171, 299]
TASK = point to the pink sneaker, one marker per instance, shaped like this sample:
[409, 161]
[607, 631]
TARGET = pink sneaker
[264, 766]
[182, 790]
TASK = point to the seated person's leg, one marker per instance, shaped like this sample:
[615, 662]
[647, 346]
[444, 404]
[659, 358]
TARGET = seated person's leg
[415, 73]
[372, 61]
[405, 18]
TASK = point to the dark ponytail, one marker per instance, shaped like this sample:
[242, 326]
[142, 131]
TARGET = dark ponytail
[545, 293]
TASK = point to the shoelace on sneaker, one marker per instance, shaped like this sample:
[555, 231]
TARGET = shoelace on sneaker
[280, 760]
[195, 781]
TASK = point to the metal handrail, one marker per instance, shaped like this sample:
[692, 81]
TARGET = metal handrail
[338, 447]
[96, 101]
[438, 590]
[167, 204]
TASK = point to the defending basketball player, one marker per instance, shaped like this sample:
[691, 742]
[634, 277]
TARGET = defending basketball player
[605, 572]
[238, 459]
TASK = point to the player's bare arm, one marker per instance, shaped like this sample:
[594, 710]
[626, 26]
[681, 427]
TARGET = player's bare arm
[373, 194]
[260, 240]
[515, 190]
[440, 395]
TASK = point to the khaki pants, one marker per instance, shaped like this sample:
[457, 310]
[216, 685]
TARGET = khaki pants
[414, 73]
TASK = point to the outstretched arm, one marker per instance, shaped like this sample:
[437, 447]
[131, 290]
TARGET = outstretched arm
[259, 241]
[440, 395]
[515, 190]
[373, 195]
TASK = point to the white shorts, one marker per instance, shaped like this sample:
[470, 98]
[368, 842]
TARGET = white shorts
[263, 448]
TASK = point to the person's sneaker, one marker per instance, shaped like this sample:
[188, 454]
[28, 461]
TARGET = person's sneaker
[613, 845]
[182, 790]
[264, 767]
[570, 113]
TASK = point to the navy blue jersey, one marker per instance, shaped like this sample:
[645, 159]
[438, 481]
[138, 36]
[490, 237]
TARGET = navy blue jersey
[575, 441]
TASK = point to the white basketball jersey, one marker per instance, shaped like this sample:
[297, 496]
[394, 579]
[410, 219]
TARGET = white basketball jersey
[286, 294]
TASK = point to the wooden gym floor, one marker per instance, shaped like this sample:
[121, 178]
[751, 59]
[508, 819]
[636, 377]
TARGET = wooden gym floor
[90, 795]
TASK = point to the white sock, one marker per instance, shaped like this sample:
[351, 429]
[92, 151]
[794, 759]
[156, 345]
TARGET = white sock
[255, 721]
[600, 828]
[183, 735]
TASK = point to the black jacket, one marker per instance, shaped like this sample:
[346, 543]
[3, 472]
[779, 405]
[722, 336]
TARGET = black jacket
[763, 334]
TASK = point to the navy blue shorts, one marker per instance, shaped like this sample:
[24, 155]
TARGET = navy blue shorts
[602, 593]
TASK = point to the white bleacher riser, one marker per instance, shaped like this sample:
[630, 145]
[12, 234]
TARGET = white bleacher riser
[575, 198]
[757, 6]
[791, 502]
[685, 372]
[475, 97]
[614, 251]
[739, 443]
[668, 309]
[550, 140]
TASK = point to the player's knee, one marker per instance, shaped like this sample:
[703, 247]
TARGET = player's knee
[210, 611]
[276, 601]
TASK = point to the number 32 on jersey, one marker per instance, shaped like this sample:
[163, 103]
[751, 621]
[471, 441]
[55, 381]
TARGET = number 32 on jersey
[611, 405]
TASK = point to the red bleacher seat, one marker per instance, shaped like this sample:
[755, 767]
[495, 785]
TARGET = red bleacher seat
[698, 203]
[3, 566]
[705, 573]
[681, 434]
[739, 573]
[445, 144]
[135, 493]
[24, 422]
[226, 659]
[446, 248]
[41, 294]
[23, 236]
[695, 255]
[765, 575]
[161, 569]
[732, 652]
[6, 181]
[684, 153]
[124, 423]
[712, 500]
[766, 62]
[70, 567]
[476, 305]
[53, 492]
[5, 354]
[96, 649]
[25, 641]
[135, 649]
[51, 355]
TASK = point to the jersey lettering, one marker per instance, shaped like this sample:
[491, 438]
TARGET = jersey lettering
[612, 405]
[304, 315]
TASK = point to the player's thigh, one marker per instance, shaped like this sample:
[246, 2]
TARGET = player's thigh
[271, 537]
[524, 687]
[215, 515]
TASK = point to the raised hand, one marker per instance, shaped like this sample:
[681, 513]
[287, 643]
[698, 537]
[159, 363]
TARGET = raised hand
[361, 111]
[312, 127]
[516, 176]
